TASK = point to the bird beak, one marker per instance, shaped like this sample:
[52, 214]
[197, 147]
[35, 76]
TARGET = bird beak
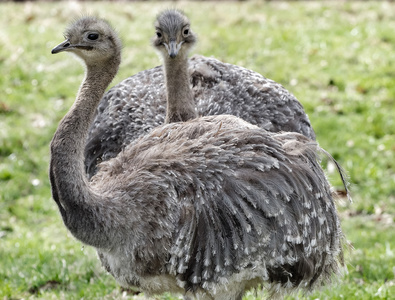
[64, 46]
[173, 48]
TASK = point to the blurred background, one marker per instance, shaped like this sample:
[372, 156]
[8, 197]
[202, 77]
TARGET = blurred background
[336, 57]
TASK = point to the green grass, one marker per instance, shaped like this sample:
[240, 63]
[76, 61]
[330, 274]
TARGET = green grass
[337, 58]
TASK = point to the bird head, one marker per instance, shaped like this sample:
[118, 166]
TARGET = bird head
[173, 36]
[92, 39]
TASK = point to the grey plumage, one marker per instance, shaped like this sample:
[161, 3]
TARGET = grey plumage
[208, 208]
[138, 104]
[228, 205]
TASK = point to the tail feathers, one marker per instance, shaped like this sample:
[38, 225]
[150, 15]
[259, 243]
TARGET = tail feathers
[341, 171]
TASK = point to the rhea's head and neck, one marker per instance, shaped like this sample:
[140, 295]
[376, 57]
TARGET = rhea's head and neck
[98, 46]
[174, 39]
[96, 43]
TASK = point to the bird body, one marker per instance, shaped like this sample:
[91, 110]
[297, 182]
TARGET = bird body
[226, 204]
[138, 104]
[208, 208]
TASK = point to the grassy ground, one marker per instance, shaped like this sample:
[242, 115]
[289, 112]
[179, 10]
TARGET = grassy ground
[337, 58]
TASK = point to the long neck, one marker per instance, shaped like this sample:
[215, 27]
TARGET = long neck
[70, 187]
[180, 101]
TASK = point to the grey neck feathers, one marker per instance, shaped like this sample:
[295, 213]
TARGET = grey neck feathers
[70, 187]
[180, 100]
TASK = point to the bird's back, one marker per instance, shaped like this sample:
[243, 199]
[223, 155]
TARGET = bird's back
[137, 105]
[247, 204]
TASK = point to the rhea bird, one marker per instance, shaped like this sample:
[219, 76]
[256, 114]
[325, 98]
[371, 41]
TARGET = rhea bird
[174, 39]
[207, 208]
[135, 106]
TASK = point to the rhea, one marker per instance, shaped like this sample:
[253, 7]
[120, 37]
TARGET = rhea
[208, 208]
[174, 39]
[138, 104]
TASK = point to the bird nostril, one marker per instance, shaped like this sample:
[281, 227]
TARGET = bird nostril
[66, 45]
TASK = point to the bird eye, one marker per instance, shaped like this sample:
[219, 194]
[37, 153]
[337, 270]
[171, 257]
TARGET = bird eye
[186, 31]
[93, 36]
[158, 34]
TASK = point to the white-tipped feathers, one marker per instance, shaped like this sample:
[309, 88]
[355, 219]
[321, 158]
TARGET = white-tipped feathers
[235, 200]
